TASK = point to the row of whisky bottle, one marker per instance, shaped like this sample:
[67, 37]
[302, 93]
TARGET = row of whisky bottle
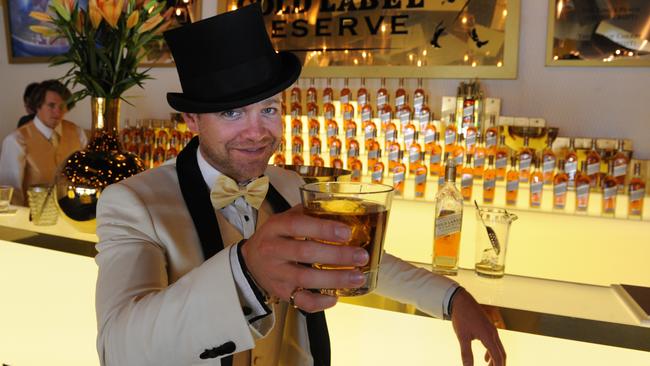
[155, 141]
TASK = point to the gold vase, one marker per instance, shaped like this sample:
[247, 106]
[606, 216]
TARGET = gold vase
[86, 173]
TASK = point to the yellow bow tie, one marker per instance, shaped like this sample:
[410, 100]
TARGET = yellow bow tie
[225, 191]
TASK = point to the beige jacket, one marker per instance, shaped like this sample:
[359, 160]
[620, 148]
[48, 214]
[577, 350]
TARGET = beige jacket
[159, 303]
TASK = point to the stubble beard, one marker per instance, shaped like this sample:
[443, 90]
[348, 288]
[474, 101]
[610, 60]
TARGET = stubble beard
[238, 170]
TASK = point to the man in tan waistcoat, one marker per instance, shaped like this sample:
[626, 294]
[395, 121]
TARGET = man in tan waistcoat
[32, 153]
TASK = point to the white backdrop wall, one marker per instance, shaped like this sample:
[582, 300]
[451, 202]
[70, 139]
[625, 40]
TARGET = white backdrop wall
[583, 101]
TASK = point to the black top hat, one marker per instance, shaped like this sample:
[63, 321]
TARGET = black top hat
[227, 61]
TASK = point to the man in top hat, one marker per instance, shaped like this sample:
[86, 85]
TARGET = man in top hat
[198, 260]
[32, 153]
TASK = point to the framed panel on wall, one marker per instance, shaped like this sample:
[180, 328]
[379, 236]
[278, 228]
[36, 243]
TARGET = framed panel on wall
[27, 46]
[395, 38]
[598, 33]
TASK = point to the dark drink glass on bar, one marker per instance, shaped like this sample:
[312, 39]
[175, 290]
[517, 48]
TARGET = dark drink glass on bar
[362, 206]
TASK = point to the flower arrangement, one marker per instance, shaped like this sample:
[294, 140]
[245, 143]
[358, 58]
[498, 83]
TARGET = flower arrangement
[107, 41]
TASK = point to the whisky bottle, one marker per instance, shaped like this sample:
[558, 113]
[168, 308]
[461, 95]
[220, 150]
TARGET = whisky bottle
[435, 155]
[145, 152]
[548, 162]
[582, 185]
[329, 111]
[296, 151]
[328, 93]
[491, 134]
[525, 161]
[420, 178]
[353, 151]
[314, 127]
[382, 95]
[125, 133]
[425, 116]
[593, 165]
[410, 135]
[356, 169]
[332, 131]
[312, 93]
[296, 127]
[414, 151]
[610, 189]
[347, 110]
[479, 157]
[501, 158]
[346, 93]
[162, 137]
[296, 110]
[390, 133]
[335, 153]
[385, 115]
[377, 175]
[366, 114]
[512, 183]
[442, 169]
[467, 179]
[363, 98]
[404, 114]
[314, 148]
[571, 163]
[536, 185]
[560, 187]
[620, 166]
[296, 94]
[447, 224]
[175, 137]
[312, 110]
[470, 139]
[350, 131]
[636, 192]
[489, 181]
[458, 151]
[419, 97]
[400, 95]
[450, 135]
[369, 134]
[399, 175]
[393, 150]
[373, 155]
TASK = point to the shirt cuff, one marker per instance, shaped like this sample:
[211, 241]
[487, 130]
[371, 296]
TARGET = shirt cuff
[446, 304]
[251, 297]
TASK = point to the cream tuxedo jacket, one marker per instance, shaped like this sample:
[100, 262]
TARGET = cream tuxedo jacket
[159, 303]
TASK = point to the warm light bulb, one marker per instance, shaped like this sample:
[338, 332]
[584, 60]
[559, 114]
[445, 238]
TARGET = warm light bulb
[618, 52]
[233, 7]
[630, 53]
[499, 64]
[555, 57]
[356, 62]
[383, 28]
[505, 13]
[179, 11]
[363, 54]
[424, 52]
[473, 63]
[346, 52]
[466, 58]
[410, 57]
[419, 63]
[464, 20]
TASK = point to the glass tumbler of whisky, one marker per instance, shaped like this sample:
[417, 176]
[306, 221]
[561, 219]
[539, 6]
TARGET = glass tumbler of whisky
[362, 206]
[492, 229]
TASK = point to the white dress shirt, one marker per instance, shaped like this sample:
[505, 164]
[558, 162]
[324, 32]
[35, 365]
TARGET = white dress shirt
[243, 217]
[12, 156]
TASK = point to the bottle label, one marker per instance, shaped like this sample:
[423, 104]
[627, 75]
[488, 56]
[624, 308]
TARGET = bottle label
[424, 117]
[479, 161]
[512, 185]
[459, 160]
[353, 152]
[327, 98]
[404, 118]
[334, 151]
[377, 176]
[418, 101]
[468, 114]
[471, 140]
[370, 134]
[296, 131]
[570, 167]
[491, 140]
[361, 99]
[384, 117]
[372, 154]
[489, 184]
[582, 195]
[313, 131]
[434, 159]
[467, 180]
[294, 113]
[345, 98]
[390, 136]
[610, 192]
[408, 136]
[593, 168]
[365, 115]
[637, 195]
[420, 178]
[313, 150]
[560, 189]
[441, 180]
[524, 163]
[331, 132]
[414, 157]
[347, 115]
[448, 224]
[536, 187]
[311, 113]
[350, 133]
[393, 155]
[399, 101]
[620, 170]
[356, 175]
[501, 162]
[381, 100]
[549, 165]
[450, 137]
[398, 178]
[429, 136]
[329, 115]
